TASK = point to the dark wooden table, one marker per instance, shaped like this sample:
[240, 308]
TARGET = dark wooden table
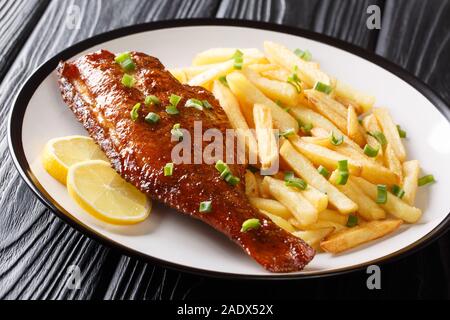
[36, 247]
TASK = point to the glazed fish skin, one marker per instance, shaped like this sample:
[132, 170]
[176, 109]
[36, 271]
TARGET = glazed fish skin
[91, 86]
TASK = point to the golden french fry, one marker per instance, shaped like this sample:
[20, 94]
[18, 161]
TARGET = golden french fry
[216, 55]
[292, 199]
[393, 163]
[393, 205]
[262, 187]
[179, 74]
[307, 71]
[329, 108]
[345, 91]
[267, 144]
[323, 141]
[279, 74]
[251, 186]
[304, 168]
[318, 199]
[353, 237]
[325, 224]
[333, 216]
[313, 237]
[230, 105]
[411, 170]
[275, 90]
[282, 223]
[271, 206]
[249, 95]
[391, 132]
[212, 74]
[322, 156]
[263, 67]
[370, 124]
[321, 133]
[367, 208]
[354, 130]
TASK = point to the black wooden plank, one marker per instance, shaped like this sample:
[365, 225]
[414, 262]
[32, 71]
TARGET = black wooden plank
[35, 246]
[342, 19]
[18, 20]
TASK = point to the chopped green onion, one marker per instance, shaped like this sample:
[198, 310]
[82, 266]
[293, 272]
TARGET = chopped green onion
[168, 169]
[381, 194]
[306, 127]
[134, 112]
[379, 136]
[194, 103]
[206, 104]
[291, 181]
[152, 100]
[397, 191]
[305, 55]
[322, 87]
[232, 180]
[401, 132]
[223, 80]
[225, 173]
[342, 172]
[128, 65]
[221, 166]
[336, 141]
[425, 180]
[250, 224]
[172, 110]
[287, 133]
[152, 118]
[174, 100]
[370, 151]
[128, 81]
[176, 132]
[352, 221]
[288, 175]
[323, 171]
[238, 58]
[294, 80]
[205, 206]
[121, 57]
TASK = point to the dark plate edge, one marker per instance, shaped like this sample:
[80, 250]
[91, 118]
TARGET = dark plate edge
[26, 92]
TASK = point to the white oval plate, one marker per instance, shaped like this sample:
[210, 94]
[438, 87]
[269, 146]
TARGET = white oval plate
[171, 239]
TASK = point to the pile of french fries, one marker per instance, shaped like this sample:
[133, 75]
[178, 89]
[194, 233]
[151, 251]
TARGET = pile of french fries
[278, 89]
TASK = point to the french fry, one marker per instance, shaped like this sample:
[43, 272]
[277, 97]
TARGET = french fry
[353, 237]
[282, 223]
[322, 156]
[345, 91]
[267, 144]
[306, 116]
[279, 74]
[333, 216]
[354, 130]
[292, 199]
[367, 208]
[393, 163]
[212, 74]
[275, 90]
[323, 224]
[304, 168]
[263, 67]
[179, 74]
[230, 105]
[251, 186]
[329, 108]
[313, 237]
[262, 187]
[216, 55]
[411, 170]
[271, 206]
[391, 132]
[249, 95]
[320, 141]
[307, 71]
[318, 199]
[393, 205]
[370, 124]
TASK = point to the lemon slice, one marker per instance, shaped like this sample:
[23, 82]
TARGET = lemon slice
[102, 192]
[60, 153]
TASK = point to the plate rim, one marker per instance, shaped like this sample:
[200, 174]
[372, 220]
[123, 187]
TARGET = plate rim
[21, 101]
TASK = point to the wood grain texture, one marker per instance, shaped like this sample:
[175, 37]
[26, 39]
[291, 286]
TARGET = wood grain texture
[18, 19]
[36, 247]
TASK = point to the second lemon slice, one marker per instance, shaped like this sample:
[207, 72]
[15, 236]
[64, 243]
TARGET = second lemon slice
[102, 192]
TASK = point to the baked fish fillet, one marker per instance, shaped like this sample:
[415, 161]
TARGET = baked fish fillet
[91, 86]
